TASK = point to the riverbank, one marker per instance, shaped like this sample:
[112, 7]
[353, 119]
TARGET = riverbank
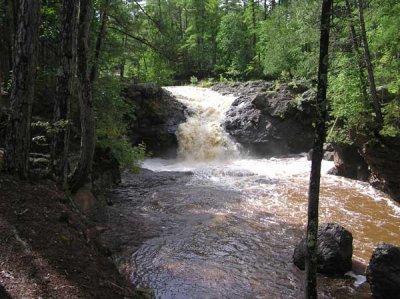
[50, 250]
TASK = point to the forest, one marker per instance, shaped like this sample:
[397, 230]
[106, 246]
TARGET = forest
[173, 42]
[70, 72]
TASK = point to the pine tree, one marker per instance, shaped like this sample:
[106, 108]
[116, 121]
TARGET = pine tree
[18, 140]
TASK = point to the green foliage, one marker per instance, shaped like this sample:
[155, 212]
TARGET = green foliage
[288, 41]
[111, 125]
[110, 108]
[347, 101]
[234, 46]
[383, 32]
[207, 83]
[345, 95]
[155, 69]
[194, 80]
[129, 157]
[392, 119]
[50, 21]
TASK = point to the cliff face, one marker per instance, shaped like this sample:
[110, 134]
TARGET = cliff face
[270, 119]
[154, 118]
[383, 157]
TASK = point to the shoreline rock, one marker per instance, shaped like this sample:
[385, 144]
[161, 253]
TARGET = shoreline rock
[349, 163]
[334, 250]
[383, 272]
[270, 119]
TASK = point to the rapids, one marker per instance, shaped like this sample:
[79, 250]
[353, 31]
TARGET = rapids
[215, 223]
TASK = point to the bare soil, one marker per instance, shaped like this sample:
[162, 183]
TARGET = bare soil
[50, 250]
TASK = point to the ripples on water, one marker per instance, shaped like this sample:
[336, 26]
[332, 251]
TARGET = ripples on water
[229, 229]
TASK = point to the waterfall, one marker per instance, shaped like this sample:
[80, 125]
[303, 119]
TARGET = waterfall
[202, 137]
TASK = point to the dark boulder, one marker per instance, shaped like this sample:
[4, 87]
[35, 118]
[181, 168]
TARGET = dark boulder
[383, 272]
[154, 118]
[383, 158]
[3, 293]
[334, 250]
[349, 163]
[271, 120]
[106, 169]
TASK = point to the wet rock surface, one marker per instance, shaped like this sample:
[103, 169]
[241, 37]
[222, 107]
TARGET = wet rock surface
[383, 272]
[154, 118]
[383, 157]
[349, 163]
[270, 119]
[334, 250]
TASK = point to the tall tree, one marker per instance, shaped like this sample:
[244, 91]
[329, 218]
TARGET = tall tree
[368, 63]
[354, 39]
[19, 130]
[65, 77]
[320, 135]
[100, 38]
[254, 22]
[88, 137]
[6, 27]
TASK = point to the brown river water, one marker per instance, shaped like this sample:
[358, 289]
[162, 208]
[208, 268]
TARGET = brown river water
[216, 223]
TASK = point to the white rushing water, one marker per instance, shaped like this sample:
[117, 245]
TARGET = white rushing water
[202, 137]
[255, 204]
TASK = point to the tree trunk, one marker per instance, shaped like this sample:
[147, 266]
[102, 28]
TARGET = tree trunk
[18, 138]
[123, 61]
[64, 90]
[265, 9]
[320, 135]
[88, 138]
[356, 46]
[253, 18]
[5, 44]
[100, 37]
[368, 63]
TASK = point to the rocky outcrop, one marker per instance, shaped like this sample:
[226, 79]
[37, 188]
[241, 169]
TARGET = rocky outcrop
[334, 250]
[154, 118]
[383, 157]
[349, 163]
[383, 272]
[270, 119]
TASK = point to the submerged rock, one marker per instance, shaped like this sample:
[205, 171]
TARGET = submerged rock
[383, 272]
[334, 250]
[268, 119]
[154, 118]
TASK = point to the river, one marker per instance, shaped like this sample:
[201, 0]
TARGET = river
[218, 223]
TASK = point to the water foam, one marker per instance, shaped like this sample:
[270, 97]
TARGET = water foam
[202, 137]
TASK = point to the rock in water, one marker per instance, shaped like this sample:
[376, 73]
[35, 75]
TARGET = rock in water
[349, 163]
[383, 272]
[269, 119]
[334, 250]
